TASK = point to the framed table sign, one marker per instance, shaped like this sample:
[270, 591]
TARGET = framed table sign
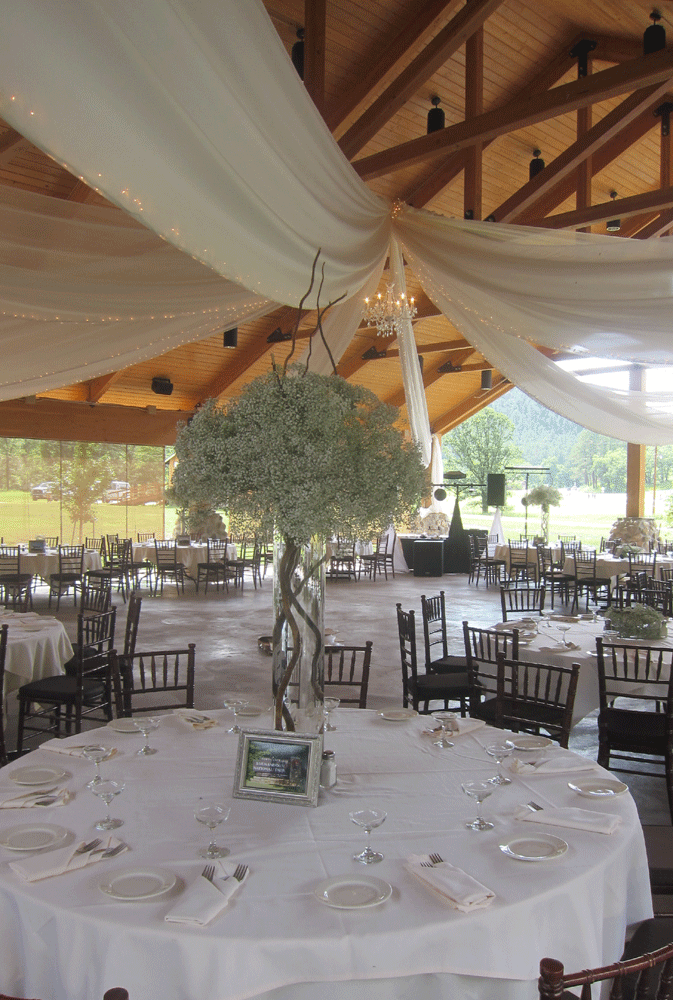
[278, 767]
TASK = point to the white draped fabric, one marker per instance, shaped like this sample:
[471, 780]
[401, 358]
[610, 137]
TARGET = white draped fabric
[190, 116]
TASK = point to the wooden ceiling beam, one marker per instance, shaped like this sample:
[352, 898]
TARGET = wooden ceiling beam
[315, 23]
[97, 387]
[658, 227]
[80, 192]
[634, 106]
[445, 44]
[648, 71]
[416, 25]
[621, 208]
[468, 407]
[474, 105]
[56, 419]
[8, 144]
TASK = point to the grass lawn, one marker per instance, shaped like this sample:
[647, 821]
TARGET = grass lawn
[22, 518]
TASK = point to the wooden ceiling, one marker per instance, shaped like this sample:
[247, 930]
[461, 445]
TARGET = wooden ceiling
[510, 78]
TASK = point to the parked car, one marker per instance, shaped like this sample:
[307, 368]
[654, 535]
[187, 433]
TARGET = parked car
[117, 491]
[45, 491]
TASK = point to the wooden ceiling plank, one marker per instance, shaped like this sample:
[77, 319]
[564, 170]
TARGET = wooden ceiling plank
[647, 71]
[622, 208]
[9, 142]
[445, 44]
[416, 25]
[590, 142]
[315, 22]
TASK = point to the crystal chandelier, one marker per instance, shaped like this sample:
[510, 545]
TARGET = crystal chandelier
[387, 313]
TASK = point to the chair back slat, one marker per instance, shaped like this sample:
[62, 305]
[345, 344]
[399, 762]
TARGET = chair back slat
[347, 673]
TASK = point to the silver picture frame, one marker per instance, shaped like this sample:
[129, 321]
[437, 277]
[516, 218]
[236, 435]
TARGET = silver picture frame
[278, 767]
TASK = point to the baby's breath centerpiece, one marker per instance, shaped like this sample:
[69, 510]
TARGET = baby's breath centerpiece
[307, 456]
[543, 496]
[640, 621]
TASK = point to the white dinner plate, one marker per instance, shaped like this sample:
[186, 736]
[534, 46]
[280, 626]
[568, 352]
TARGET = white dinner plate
[540, 848]
[352, 892]
[138, 883]
[123, 725]
[38, 775]
[398, 714]
[597, 788]
[33, 836]
[529, 742]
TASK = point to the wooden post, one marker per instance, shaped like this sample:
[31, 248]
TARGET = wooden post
[635, 458]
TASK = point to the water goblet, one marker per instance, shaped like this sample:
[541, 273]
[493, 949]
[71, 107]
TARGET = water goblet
[96, 753]
[329, 705]
[498, 751]
[368, 819]
[478, 790]
[564, 628]
[106, 789]
[446, 723]
[235, 704]
[146, 725]
[212, 812]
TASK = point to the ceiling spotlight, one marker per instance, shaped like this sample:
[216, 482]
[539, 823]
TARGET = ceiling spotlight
[486, 379]
[535, 165]
[435, 116]
[654, 37]
[614, 225]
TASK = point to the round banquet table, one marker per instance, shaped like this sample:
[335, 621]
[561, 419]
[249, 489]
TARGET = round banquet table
[37, 647]
[43, 564]
[189, 555]
[63, 938]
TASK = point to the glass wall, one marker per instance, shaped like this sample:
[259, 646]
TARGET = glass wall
[75, 490]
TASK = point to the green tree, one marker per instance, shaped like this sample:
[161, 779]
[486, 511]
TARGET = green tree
[85, 479]
[483, 444]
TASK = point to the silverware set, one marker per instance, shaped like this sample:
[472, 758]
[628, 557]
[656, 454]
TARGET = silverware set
[239, 873]
[435, 859]
[105, 852]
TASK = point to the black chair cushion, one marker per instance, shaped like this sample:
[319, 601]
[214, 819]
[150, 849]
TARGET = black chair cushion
[636, 728]
[448, 665]
[61, 688]
[434, 684]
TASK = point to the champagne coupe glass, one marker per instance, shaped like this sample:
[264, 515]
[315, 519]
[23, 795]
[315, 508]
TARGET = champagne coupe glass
[329, 705]
[212, 812]
[478, 790]
[235, 704]
[106, 789]
[498, 751]
[368, 819]
[445, 721]
[146, 725]
[564, 628]
[96, 753]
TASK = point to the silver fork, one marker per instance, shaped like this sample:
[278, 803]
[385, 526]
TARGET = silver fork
[436, 859]
[111, 852]
[240, 872]
[209, 872]
[85, 848]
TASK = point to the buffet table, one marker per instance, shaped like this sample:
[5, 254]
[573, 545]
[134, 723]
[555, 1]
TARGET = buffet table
[65, 939]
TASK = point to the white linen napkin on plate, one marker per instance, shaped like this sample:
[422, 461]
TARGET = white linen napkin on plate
[464, 726]
[72, 750]
[554, 763]
[459, 889]
[41, 798]
[572, 817]
[39, 866]
[204, 900]
[195, 720]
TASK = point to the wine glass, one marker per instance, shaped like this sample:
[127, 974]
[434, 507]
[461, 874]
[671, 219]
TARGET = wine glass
[329, 705]
[235, 705]
[498, 751]
[212, 812]
[96, 753]
[564, 628]
[446, 723]
[106, 789]
[368, 819]
[478, 790]
[146, 725]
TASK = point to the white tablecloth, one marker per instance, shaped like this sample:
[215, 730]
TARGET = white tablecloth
[44, 563]
[37, 646]
[64, 939]
[189, 555]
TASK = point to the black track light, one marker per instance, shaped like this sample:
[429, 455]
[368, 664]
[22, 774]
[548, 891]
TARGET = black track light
[435, 116]
[654, 37]
[614, 225]
[535, 165]
[298, 53]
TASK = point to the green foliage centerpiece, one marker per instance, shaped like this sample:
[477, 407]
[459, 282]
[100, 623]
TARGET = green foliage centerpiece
[307, 456]
[543, 496]
[640, 621]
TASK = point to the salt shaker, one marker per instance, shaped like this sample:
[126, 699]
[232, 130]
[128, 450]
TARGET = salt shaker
[328, 769]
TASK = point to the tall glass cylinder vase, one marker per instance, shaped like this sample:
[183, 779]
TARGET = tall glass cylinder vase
[298, 634]
[544, 524]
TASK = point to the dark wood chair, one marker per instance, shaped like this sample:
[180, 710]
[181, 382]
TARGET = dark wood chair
[70, 573]
[117, 567]
[385, 554]
[438, 660]
[51, 541]
[634, 734]
[3, 654]
[423, 688]
[168, 566]
[516, 601]
[148, 681]
[481, 560]
[85, 693]
[16, 588]
[658, 594]
[519, 567]
[96, 545]
[550, 574]
[347, 673]
[535, 698]
[343, 561]
[482, 646]
[214, 569]
[96, 594]
[586, 580]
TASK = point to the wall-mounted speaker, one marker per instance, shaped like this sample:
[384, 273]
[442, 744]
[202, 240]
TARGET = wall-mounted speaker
[162, 386]
[495, 489]
[231, 337]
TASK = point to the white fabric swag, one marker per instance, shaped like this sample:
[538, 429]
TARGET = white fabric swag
[189, 115]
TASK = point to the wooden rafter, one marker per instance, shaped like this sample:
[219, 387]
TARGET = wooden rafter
[658, 227]
[622, 208]
[469, 406]
[97, 387]
[315, 19]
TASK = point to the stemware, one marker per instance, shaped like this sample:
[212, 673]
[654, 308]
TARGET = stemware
[447, 724]
[96, 753]
[329, 704]
[368, 819]
[235, 705]
[106, 789]
[563, 627]
[211, 813]
[478, 790]
[146, 725]
[498, 751]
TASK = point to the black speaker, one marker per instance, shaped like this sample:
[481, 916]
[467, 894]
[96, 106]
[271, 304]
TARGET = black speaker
[428, 557]
[162, 386]
[495, 489]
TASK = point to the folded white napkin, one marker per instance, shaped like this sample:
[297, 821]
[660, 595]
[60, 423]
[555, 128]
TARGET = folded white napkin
[461, 890]
[554, 763]
[464, 726]
[42, 798]
[204, 900]
[72, 750]
[38, 866]
[194, 720]
[572, 817]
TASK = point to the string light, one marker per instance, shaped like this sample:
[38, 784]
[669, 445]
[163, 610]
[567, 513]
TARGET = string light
[388, 314]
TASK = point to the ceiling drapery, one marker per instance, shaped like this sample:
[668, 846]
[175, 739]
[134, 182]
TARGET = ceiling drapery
[189, 115]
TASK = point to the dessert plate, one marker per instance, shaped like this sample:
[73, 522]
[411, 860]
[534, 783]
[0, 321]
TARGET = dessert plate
[33, 836]
[250, 711]
[123, 725]
[529, 742]
[398, 714]
[41, 775]
[352, 892]
[540, 848]
[598, 788]
[138, 883]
